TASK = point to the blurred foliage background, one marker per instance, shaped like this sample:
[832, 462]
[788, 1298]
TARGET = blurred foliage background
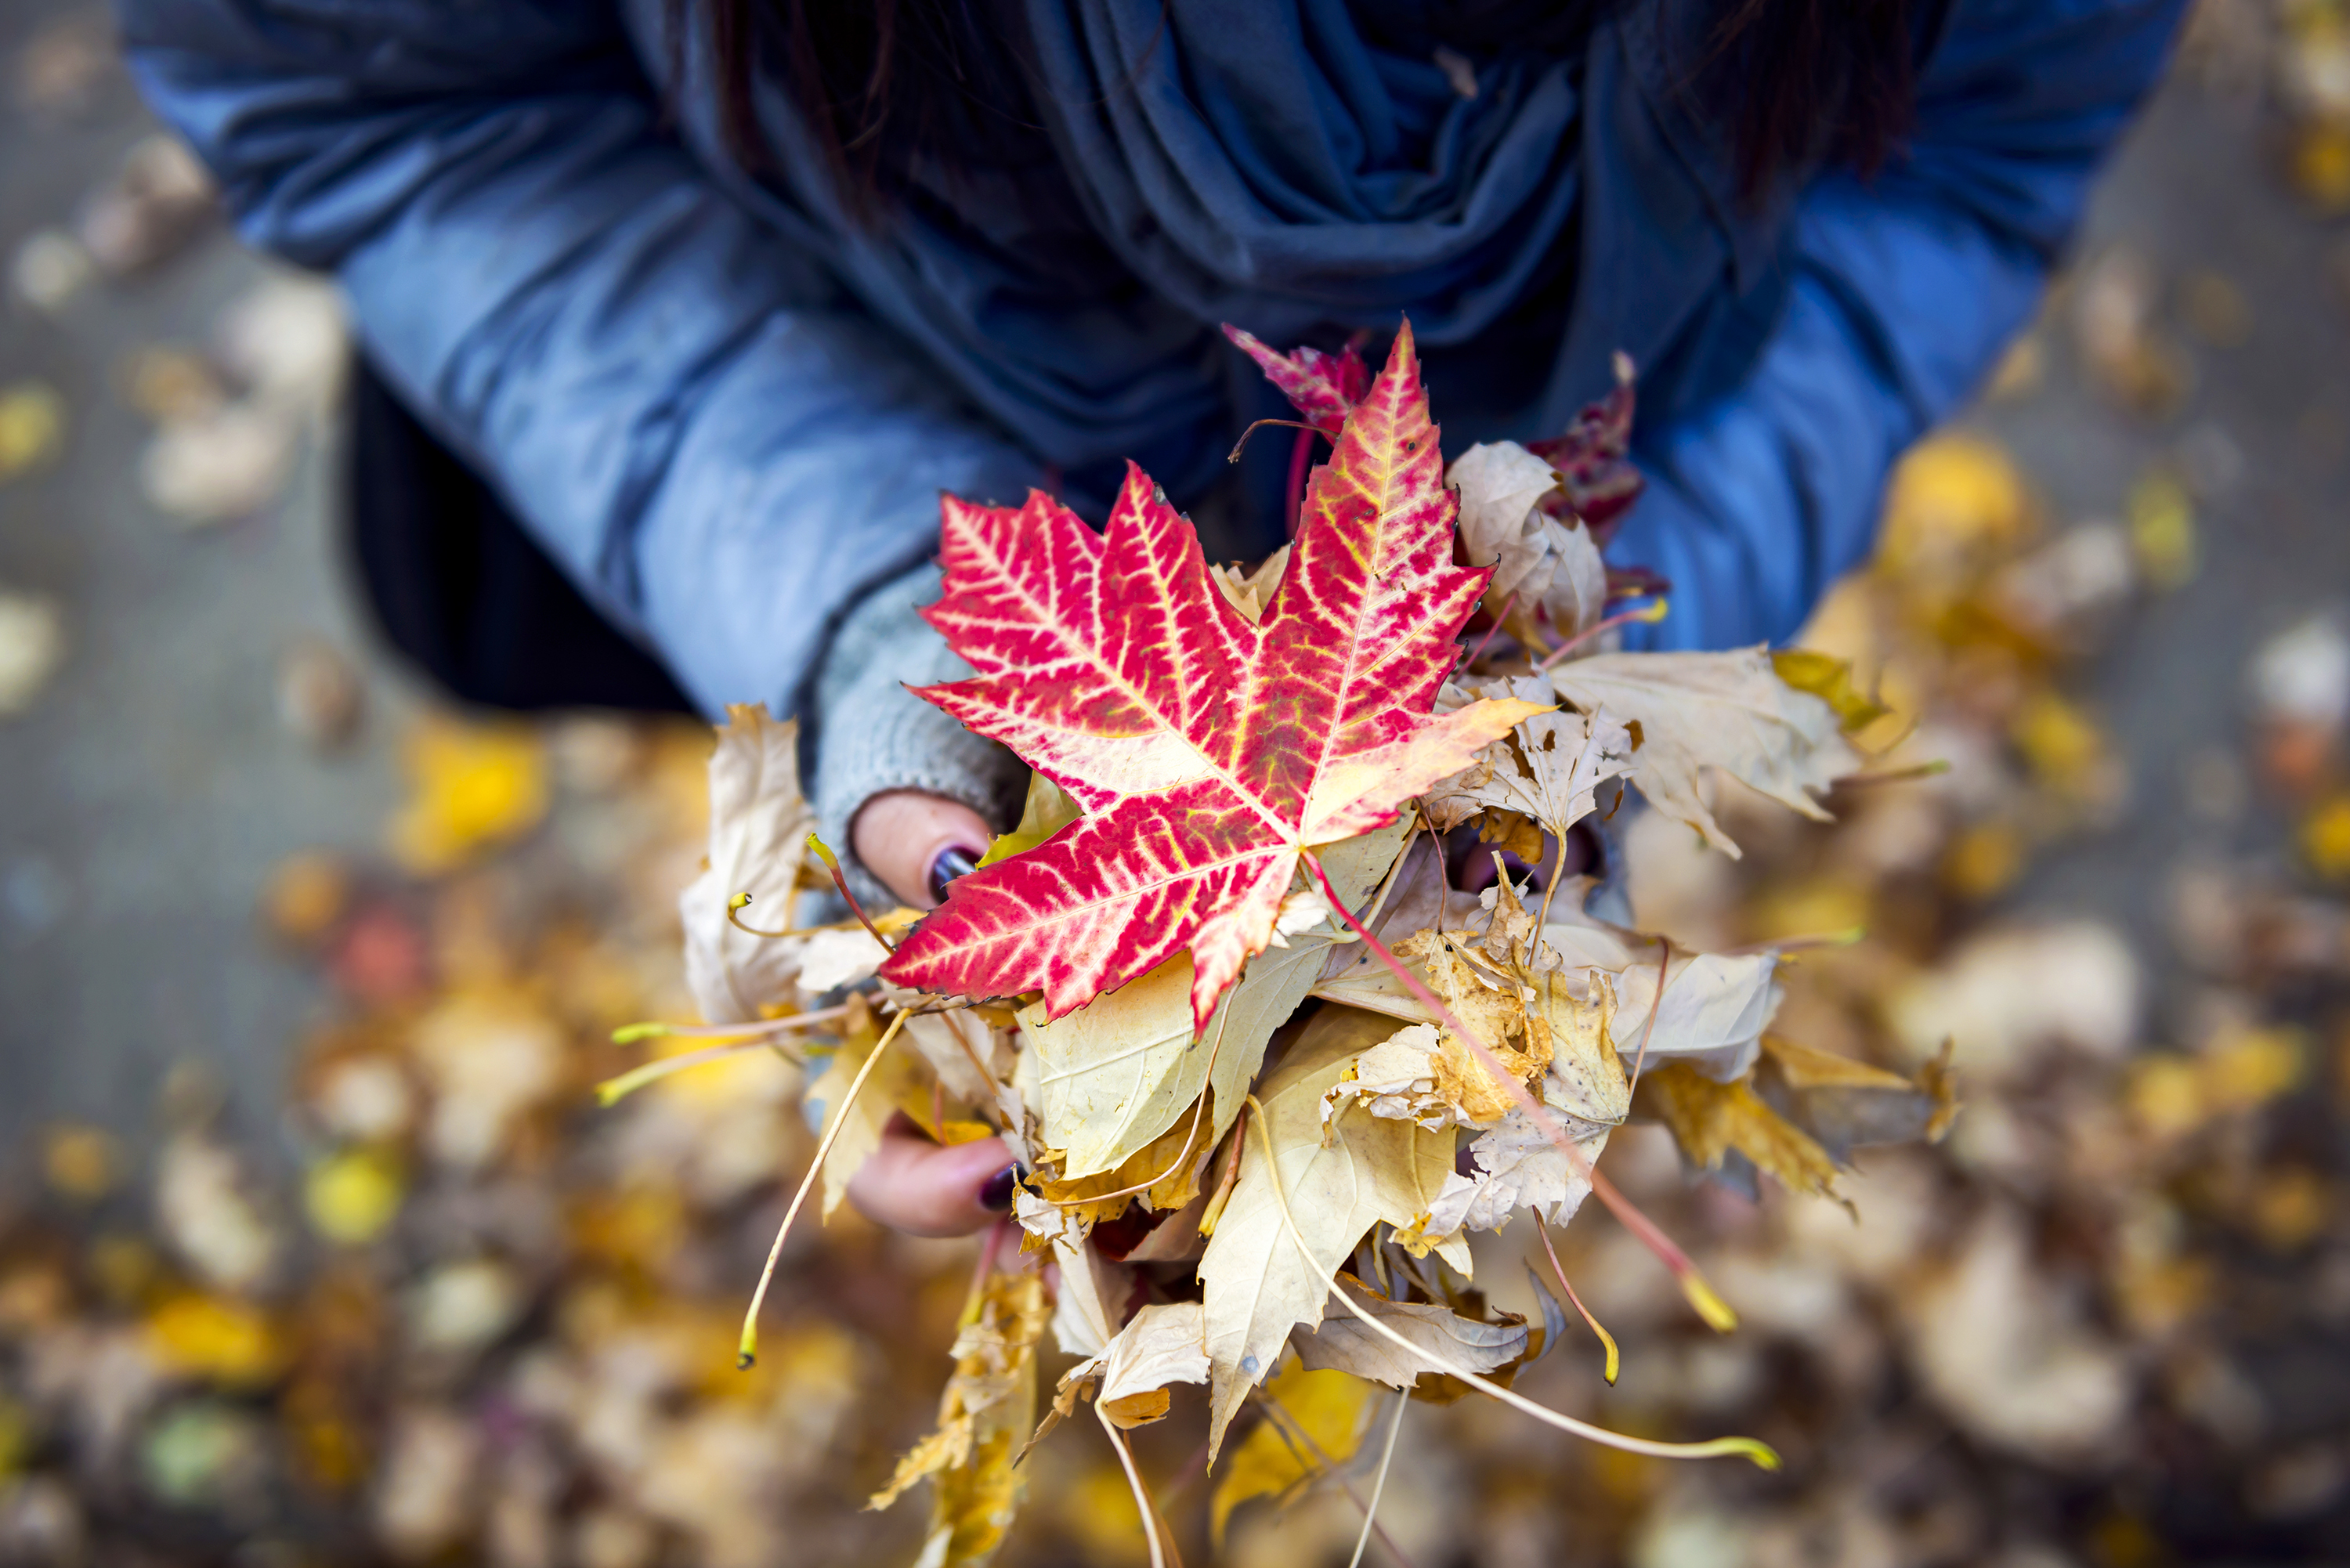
[314, 1248]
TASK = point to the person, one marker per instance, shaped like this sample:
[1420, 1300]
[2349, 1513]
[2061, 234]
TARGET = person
[714, 297]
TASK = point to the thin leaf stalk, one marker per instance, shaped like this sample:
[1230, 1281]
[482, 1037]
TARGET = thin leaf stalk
[631, 1033]
[1615, 1360]
[1760, 1452]
[1647, 616]
[1293, 1433]
[1134, 1480]
[1379, 1486]
[832, 863]
[747, 1347]
[1702, 1297]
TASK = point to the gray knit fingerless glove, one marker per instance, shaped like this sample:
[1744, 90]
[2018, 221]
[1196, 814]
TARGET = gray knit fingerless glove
[872, 734]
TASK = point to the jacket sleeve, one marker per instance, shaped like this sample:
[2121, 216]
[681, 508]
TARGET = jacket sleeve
[1903, 293]
[722, 449]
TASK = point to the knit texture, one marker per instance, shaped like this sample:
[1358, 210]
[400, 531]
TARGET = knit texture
[873, 734]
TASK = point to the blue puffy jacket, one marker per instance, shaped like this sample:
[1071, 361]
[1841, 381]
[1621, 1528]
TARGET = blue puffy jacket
[727, 410]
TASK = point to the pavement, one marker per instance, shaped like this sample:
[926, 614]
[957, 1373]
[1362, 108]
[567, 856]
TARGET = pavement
[148, 793]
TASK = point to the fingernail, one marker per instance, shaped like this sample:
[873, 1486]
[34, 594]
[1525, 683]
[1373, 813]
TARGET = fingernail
[997, 1194]
[955, 860]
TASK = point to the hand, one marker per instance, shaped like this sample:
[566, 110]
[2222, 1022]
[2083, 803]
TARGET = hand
[913, 1185]
[915, 843]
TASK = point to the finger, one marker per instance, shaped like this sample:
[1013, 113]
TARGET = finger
[923, 1189]
[916, 843]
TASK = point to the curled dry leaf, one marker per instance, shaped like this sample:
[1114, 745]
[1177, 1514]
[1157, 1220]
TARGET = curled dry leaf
[1118, 1072]
[1710, 1119]
[1447, 1341]
[985, 1416]
[1208, 753]
[1728, 713]
[758, 824]
[1539, 561]
[1337, 1181]
[1548, 768]
[1159, 1344]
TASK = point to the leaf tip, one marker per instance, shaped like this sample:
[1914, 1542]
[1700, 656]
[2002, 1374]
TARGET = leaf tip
[1707, 1303]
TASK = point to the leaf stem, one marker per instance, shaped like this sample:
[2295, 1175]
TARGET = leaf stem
[741, 901]
[1133, 1479]
[1387, 1457]
[832, 864]
[1654, 613]
[1747, 1448]
[1499, 616]
[612, 1091]
[747, 1349]
[1703, 1296]
[1615, 1362]
[629, 1033]
[1657, 1005]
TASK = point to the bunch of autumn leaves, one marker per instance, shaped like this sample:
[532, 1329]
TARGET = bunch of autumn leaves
[1328, 1131]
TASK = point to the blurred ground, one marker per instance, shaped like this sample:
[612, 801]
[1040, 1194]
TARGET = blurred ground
[405, 1295]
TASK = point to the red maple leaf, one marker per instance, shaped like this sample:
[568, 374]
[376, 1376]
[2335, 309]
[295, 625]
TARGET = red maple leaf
[1208, 752]
[1595, 475]
[1322, 386]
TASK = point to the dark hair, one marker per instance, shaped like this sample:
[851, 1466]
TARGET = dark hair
[885, 84]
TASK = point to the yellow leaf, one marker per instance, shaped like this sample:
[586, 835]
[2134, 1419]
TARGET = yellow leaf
[81, 1161]
[1710, 1119]
[2325, 838]
[471, 786]
[1830, 680]
[1338, 1180]
[1049, 810]
[989, 1406]
[213, 1337]
[1951, 495]
[2162, 530]
[31, 425]
[1174, 1175]
[353, 1195]
[1317, 1420]
[1118, 1072]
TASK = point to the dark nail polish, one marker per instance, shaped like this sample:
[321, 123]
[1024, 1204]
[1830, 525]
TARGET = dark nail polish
[955, 860]
[997, 1194]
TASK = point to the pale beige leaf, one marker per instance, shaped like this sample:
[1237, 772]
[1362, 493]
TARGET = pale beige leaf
[1114, 1074]
[1162, 1344]
[758, 827]
[968, 1056]
[1715, 1008]
[1092, 1294]
[1258, 1284]
[1501, 482]
[1250, 592]
[1727, 711]
[1447, 1342]
[1577, 600]
[833, 959]
[1547, 768]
